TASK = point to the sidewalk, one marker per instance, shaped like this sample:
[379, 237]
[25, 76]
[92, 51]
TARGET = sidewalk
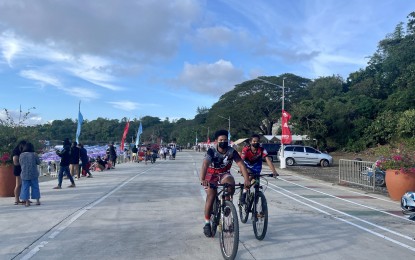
[22, 226]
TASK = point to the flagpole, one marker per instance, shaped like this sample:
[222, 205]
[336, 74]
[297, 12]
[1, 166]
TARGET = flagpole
[282, 158]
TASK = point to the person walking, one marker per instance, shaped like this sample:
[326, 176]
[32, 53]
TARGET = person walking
[84, 160]
[17, 169]
[29, 161]
[74, 161]
[134, 155]
[112, 155]
[64, 164]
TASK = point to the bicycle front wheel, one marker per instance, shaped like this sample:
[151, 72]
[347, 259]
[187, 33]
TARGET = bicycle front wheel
[229, 234]
[214, 217]
[260, 216]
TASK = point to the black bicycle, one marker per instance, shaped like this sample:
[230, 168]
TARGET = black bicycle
[256, 204]
[225, 217]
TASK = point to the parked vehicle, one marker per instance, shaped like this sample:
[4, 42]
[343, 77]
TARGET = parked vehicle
[376, 174]
[272, 150]
[299, 154]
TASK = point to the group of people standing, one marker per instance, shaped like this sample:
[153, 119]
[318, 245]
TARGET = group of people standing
[69, 165]
[25, 163]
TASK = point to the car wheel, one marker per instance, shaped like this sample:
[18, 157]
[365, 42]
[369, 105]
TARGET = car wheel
[324, 163]
[289, 161]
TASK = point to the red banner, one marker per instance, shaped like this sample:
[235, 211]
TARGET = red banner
[124, 135]
[286, 137]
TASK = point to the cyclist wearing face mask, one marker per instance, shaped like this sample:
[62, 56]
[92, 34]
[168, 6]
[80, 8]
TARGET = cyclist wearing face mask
[252, 155]
[216, 169]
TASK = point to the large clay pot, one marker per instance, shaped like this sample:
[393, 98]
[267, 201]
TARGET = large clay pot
[399, 183]
[7, 181]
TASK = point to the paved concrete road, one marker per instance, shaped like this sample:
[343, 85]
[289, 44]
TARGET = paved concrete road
[155, 211]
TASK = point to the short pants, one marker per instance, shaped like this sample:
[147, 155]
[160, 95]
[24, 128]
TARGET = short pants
[217, 177]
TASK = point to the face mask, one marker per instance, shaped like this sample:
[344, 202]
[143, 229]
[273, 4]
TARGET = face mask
[223, 145]
[255, 145]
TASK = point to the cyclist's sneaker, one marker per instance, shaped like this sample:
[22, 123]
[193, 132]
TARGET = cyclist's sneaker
[207, 231]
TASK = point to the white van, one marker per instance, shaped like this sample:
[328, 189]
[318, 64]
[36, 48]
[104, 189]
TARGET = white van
[299, 154]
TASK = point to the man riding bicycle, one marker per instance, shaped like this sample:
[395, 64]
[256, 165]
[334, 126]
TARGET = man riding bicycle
[216, 169]
[252, 155]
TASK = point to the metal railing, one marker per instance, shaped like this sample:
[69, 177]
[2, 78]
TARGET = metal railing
[357, 173]
[43, 167]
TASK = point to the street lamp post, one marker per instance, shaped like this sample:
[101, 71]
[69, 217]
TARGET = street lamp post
[207, 139]
[282, 157]
[229, 126]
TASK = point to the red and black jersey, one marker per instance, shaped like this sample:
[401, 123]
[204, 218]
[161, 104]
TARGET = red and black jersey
[253, 160]
[221, 162]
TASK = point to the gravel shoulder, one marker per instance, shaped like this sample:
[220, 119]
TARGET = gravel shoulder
[331, 174]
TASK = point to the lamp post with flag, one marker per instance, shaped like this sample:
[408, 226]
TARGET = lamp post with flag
[207, 136]
[285, 116]
[229, 127]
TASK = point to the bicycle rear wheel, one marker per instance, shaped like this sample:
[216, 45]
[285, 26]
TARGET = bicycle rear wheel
[229, 234]
[260, 216]
[244, 208]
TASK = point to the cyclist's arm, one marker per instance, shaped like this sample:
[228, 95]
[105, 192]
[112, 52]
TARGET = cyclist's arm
[242, 168]
[271, 166]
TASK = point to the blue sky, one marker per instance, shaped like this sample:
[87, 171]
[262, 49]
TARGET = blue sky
[165, 58]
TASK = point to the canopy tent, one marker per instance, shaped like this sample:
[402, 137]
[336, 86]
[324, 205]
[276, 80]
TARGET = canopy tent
[295, 137]
[239, 141]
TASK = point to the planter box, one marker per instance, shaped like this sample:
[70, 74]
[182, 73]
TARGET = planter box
[7, 181]
[399, 183]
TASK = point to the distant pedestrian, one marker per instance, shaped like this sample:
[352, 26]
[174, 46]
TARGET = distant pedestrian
[84, 160]
[64, 164]
[17, 169]
[101, 164]
[134, 155]
[173, 152]
[49, 167]
[30, 174]
[112, 155]
[74, 161]
[165, 151]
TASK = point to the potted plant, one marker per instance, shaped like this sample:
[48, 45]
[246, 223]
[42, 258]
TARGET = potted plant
[7, 178]
[399, 163]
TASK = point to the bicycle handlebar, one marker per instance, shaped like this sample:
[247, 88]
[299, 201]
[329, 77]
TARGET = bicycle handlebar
[225, 185]
[261, 175]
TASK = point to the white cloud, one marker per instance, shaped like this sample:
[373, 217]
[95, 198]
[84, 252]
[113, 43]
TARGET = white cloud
[213, 79]
[125, 105]
[42, 78]
[138, 30]
[82, 93]
[10, 48]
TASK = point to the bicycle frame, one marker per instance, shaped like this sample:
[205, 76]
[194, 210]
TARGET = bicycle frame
[225, 217]
[221, 197]
[252, 199]
[257, 187]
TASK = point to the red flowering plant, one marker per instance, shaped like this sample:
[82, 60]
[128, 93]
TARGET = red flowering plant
[400, 157]
[6, 159]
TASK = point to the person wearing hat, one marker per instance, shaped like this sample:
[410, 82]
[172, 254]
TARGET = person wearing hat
[64, 164]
